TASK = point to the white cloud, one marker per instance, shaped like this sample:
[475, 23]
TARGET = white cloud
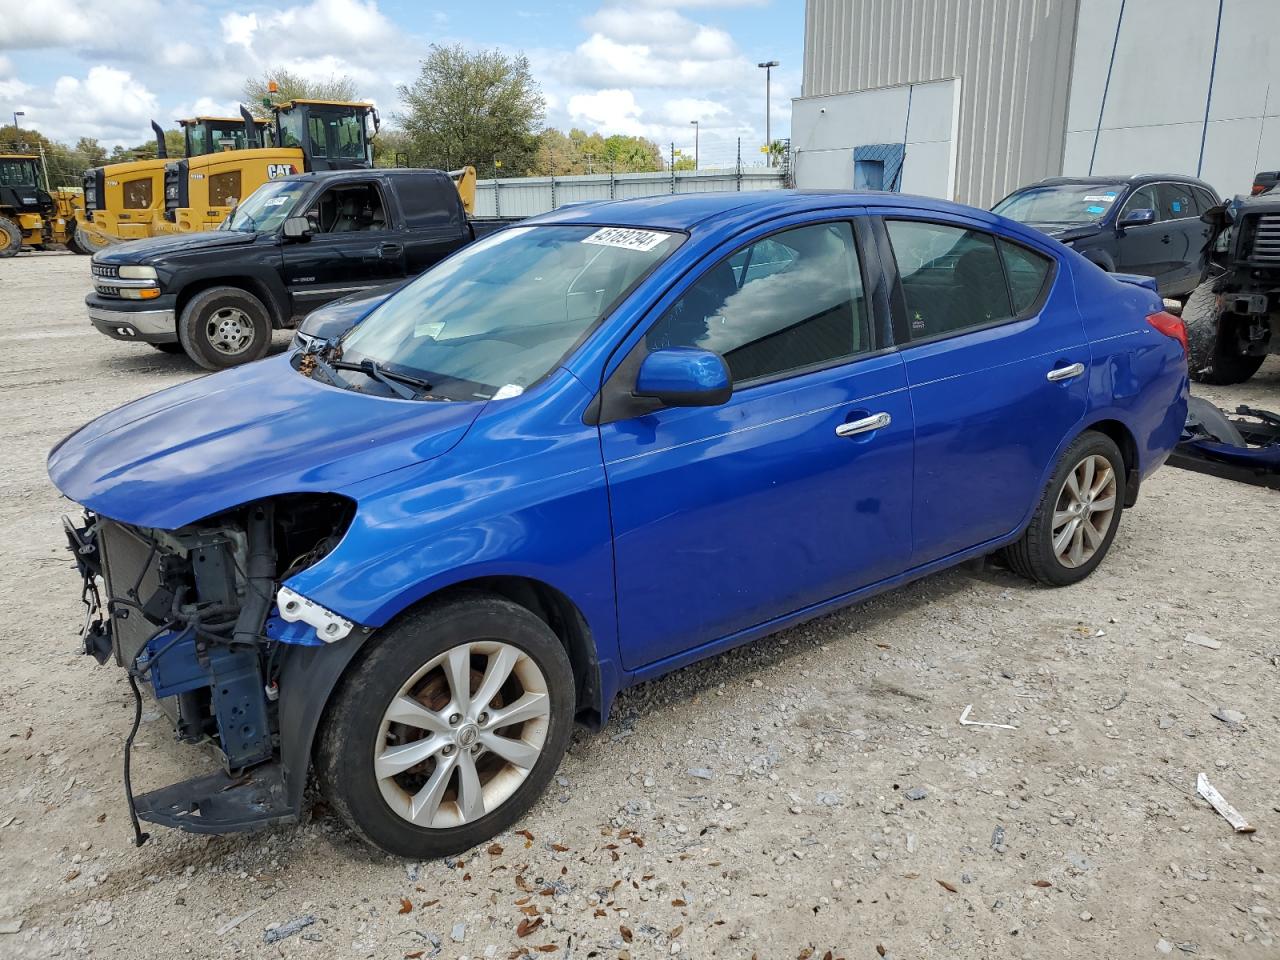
[608, 112]
[52, 23]
[107, 104]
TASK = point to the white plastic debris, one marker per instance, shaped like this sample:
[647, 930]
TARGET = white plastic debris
[1219, 803]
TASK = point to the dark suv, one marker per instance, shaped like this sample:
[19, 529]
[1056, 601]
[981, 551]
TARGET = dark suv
[1147, 224]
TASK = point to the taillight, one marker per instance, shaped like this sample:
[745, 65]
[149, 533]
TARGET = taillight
[1170, 326]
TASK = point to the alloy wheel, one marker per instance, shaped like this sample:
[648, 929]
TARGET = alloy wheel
[462, 734]
[1084, 510]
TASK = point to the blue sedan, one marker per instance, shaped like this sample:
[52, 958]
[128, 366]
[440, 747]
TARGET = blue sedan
[585, 451]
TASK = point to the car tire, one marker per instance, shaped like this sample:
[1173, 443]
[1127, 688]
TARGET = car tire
[73, 244]
[1071, 532]
[403, 674]
[10, 238]
[1211, 354]
[224, 327]
[173, 346]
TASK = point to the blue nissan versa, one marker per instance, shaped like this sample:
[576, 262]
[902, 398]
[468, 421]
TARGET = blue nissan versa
[582, 452]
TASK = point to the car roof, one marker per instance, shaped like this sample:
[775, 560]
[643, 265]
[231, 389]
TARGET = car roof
[687, 211]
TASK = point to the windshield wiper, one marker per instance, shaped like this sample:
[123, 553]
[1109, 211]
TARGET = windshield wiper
[395, 382]
[316, 355]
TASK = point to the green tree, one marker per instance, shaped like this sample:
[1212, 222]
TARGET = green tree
[576, 152]
[480, 108]
[293, 87]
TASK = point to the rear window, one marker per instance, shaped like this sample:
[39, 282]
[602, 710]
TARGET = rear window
[1028, 274]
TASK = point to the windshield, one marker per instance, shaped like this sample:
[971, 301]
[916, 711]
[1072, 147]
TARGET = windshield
[1062, 203]
[266, 208]
[17, 173]
[196, 145]
[502, 313]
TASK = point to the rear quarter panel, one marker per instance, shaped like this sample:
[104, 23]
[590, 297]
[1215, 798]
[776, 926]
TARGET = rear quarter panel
[1138, 376]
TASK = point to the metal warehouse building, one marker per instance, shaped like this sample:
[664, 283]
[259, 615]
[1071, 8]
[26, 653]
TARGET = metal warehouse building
[968, 99]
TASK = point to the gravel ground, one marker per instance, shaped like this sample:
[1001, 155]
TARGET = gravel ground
[813, 792]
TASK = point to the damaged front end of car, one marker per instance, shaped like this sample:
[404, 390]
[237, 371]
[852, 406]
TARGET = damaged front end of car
[201, 618]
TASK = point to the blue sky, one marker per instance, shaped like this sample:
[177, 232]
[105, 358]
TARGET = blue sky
[104, 68]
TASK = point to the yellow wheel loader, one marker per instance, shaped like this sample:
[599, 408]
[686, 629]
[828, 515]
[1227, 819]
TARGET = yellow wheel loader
[125, 201]
[30, 214]
[308, 135]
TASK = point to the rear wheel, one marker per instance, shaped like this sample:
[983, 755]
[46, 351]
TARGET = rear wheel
[1213, 342]
[224, 327]
[1077, 517]
[10, 238]
[448, 728]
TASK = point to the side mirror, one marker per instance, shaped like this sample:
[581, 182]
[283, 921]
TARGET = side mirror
[684, 377]
[1138, 218]
[296, 228]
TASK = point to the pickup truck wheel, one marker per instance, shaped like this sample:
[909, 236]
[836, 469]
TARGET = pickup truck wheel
[224, 327]
[10, 238]
[1077, 517]
[448, 727]
[1213, 354]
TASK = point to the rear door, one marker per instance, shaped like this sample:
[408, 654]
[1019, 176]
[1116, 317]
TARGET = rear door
[1186, 234]
[357, 244]
[434, 223]
[997, 370]
[728, 517]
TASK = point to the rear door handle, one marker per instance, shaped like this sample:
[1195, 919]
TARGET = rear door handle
[865, 425]
[1065, 373]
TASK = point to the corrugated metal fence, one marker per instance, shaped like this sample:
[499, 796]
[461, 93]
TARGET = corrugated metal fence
[527, 196]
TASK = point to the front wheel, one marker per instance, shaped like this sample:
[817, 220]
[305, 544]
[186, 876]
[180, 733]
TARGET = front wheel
[10, 238]
[1077, 516]
[1213, 344]
[224, 327]
[448, 727]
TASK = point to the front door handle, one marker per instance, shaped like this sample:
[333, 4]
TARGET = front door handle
[1064, 373]
[390, 250]
[865, 425]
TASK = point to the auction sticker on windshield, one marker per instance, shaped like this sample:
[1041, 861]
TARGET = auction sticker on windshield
[628, 239]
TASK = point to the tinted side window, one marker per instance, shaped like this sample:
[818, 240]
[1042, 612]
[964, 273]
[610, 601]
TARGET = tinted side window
[788, 301]
[1028, 272]
[1143, 199]
[425, 202]
[1206, 200]
[1175, 201]
[951, 277]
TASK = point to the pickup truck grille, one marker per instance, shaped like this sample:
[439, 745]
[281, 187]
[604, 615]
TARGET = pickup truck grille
[1266, 238]
[105, 271]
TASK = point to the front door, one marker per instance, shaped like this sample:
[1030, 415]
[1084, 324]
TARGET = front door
[997, 378]
[353, 247]
[796, 490]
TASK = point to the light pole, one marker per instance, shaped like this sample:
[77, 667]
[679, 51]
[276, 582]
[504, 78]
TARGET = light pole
[695, 143]
[16, 115]
[767, 67]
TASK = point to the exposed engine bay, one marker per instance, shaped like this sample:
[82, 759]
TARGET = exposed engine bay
[198, 616]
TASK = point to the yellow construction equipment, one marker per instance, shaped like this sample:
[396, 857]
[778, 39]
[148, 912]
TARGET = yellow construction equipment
[30, 214]
[309, 135]
[125, 201]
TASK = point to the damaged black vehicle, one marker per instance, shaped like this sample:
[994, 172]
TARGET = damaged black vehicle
[1233, 316]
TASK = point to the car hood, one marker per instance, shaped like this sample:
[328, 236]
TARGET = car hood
[138, 251]
[337, 317]
[255, 431]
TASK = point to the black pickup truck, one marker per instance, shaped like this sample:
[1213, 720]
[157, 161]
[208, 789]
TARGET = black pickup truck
[292, 245]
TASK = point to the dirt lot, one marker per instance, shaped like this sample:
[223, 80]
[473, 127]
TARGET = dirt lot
[758, 804]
